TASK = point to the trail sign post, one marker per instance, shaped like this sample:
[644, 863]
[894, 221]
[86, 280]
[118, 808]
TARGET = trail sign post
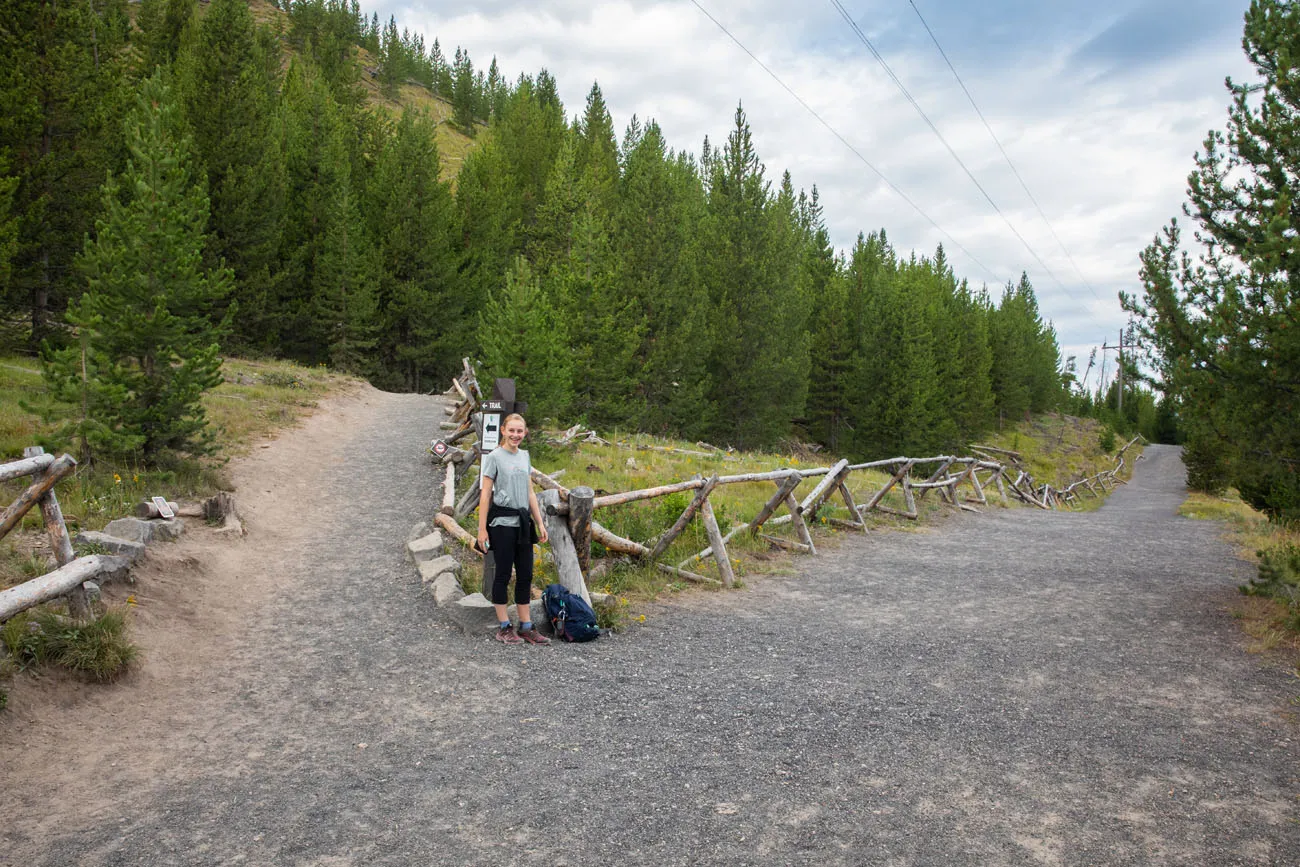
[493, 411]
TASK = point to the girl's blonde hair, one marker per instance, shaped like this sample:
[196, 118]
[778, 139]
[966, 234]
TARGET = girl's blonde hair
[512, 417]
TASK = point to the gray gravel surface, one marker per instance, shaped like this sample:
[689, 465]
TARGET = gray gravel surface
[1014, 687]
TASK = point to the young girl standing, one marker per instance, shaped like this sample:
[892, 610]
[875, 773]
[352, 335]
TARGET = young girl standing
[509, 521]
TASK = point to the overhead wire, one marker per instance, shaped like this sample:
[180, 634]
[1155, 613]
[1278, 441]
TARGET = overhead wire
[1024, 186]
[844, 13]
[988, 271]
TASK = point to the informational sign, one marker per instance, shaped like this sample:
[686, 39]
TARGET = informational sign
[164, 510]
[491, 430]
[438, 448]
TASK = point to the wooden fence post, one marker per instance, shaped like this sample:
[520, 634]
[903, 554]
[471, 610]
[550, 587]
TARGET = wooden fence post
[40, 486]
[720, 555]
[78, 604]
[562, 547]
[701, 497]
[581, 499]
[800, 525]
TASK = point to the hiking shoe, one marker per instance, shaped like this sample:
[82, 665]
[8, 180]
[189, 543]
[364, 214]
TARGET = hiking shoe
[532, 636]
[507, 635]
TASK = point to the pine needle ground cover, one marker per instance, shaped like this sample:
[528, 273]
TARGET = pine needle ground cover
[256, 399]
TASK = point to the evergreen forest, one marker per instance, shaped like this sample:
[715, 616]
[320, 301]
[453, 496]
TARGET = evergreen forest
[181, 181]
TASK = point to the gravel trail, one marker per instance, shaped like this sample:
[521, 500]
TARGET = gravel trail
[1015, 687]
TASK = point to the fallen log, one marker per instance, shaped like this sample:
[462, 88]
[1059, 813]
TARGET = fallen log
[448, 523]
[689, 576]
[449, 491]
[787, 544]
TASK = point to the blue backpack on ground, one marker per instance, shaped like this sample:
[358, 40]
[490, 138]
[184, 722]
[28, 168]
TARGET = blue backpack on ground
[572, 618]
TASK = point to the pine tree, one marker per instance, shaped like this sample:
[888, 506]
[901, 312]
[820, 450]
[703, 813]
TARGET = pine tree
[391, 61]
[896, 380]
[464, 93]
[228, 83]
[162, 23]
[61, 88]
[973, 403]
[596, 159]
[8, 225]
[497, 91]
[1025, 355]
[345, 281]
[833, 333]
[145, 317]
[749, 260]
[318, 174]
[661, 206]
[523, 338]
[413, 221]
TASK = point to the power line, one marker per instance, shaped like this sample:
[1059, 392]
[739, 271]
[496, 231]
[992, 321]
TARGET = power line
[988, 271]
[925, 117]
[1002, 150]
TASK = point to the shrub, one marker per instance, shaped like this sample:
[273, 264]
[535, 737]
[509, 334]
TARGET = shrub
[1279, 578]
[99, 648]
[1106, 440]
[1271, 489]
[1207, 467]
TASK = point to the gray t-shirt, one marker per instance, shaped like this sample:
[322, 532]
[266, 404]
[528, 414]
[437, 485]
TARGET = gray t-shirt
[509, 474]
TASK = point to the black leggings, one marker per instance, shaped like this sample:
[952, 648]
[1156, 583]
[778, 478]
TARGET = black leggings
[512, 547]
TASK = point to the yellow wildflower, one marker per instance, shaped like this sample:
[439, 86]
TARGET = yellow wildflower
[117, 480]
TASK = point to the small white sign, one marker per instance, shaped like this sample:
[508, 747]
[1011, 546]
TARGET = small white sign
[163, 509]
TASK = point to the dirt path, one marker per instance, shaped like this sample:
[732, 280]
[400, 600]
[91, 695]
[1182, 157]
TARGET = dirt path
[1019, 688]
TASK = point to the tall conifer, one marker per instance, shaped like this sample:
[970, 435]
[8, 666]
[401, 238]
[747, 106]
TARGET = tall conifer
[149, 347]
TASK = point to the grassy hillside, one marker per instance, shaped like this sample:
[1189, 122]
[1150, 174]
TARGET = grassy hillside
[453, 145]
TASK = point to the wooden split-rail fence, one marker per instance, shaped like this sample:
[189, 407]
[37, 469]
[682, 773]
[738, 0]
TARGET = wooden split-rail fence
[570, 513]
[73, 572]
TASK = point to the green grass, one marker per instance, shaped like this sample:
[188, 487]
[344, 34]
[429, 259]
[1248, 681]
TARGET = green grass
[98, 648]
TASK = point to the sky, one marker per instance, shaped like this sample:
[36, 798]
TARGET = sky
[1100, 107]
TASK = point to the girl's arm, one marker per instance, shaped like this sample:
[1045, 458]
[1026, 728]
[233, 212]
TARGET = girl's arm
[542, 537]
[484, 504]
